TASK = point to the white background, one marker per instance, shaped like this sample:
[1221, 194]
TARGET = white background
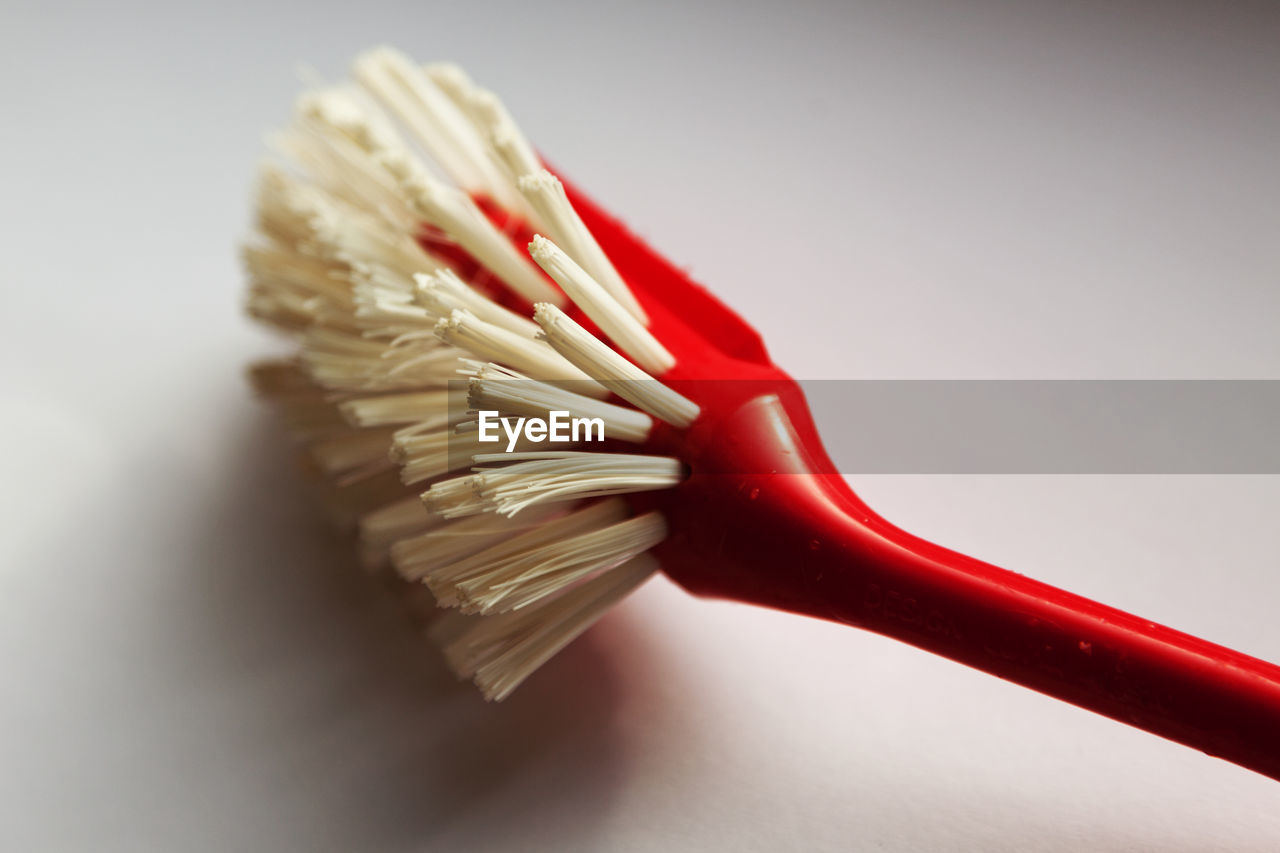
[888, 190]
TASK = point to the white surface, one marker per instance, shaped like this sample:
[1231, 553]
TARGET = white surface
[887, 190]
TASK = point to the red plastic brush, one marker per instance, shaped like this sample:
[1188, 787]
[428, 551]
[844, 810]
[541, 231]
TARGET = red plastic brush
[396, 283]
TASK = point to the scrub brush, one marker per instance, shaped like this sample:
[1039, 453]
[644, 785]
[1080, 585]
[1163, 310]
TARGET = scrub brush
[392, 249]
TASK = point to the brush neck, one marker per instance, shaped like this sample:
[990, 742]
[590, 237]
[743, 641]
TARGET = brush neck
[765, 519]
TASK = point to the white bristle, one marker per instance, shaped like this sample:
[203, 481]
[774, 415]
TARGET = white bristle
[444, 575]
[416, 367]
[432, 118]
[608, 313]
[315, 224]
[493, 387]
[342, 343]
[493, 343]
[454, 498]
[546, 195]
[342, 169]
[453, 81]
[335, 138]
[361, 242]
[339, 167]
[340, 111]
[423, 455]
[499, 652]
[490, 118]
[453, 211]
[510, 143]
[286, 292]
[451, 541]
[519, 579]
[384, 326]
[417, 407]
[472, 102]
[443, 293]
[538, 477]
[274, 266]
[297, 214]
[384, 305]
[347, 362]
[611, 370]
[431, 453]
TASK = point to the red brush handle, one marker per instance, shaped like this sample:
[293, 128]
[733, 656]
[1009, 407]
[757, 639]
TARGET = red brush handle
[765, 518]
[789, 538]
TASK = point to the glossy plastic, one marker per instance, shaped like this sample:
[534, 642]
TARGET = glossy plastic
[765, 518]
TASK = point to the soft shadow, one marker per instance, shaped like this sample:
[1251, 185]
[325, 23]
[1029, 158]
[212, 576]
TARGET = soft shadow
[350, 702]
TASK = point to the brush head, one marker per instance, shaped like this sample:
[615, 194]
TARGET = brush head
[397, 246]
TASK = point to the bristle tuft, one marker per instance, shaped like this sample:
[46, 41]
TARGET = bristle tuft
[493, 387]
[489, 342]
[499, 652]
[611, 370]
[539, 477]
[600, 305]
[546, 195]
[378, 253]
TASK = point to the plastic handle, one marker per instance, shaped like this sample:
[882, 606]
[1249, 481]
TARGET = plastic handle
[765, 518]
[789, 538]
